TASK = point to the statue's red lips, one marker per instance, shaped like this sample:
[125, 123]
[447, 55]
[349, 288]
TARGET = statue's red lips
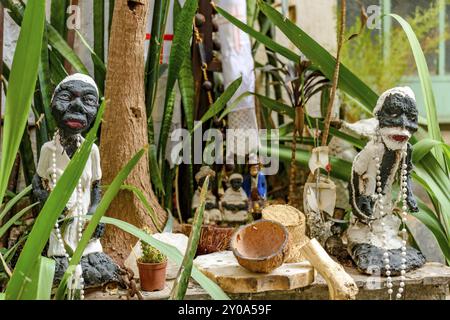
[74, 124]
[399, 137]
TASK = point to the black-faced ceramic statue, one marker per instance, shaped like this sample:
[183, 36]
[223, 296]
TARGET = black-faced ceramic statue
[255, 187]
[74, 106]
[235, 201]
[212, 213]
[374, 240]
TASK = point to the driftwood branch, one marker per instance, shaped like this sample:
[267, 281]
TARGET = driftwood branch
[341, 285]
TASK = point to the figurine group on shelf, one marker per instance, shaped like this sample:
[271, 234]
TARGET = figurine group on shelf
[243, 197]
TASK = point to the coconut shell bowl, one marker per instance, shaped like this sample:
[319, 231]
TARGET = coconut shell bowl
[261, 246]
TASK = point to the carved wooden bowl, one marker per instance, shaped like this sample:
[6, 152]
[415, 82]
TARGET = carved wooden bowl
[261, 246]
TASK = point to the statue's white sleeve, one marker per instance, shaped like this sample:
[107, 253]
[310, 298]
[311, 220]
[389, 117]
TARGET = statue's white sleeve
[44, 162]
[361, 162]
[95, 160]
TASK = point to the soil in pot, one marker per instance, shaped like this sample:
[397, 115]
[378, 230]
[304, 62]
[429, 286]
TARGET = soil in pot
[152, 275]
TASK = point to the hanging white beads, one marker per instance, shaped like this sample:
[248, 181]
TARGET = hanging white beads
[78, 212]
[381, 206]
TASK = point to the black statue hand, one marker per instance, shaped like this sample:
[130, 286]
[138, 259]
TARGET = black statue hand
[365, 206]
[99, 231]
[412, 203]
[39, 191]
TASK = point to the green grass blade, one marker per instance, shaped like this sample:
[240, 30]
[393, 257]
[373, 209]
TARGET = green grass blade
[220, 103]
[173, 254]
[277, 106]
[181, 283]
[16, 217]
[40, 282]
[49, 214]
[321, 58]
[260, 37]
[14, 200]
[140, 195]
[108, 197]
[22, 80]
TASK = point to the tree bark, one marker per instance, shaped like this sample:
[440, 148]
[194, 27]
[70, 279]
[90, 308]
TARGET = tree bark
[124, 127]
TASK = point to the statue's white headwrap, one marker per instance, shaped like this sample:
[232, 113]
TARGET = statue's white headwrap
[77, 77]
[403, 91]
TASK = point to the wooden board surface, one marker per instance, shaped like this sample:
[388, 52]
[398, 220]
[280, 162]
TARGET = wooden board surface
[223, 268]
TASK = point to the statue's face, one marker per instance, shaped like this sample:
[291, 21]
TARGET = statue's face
[254, 171]
[236, 184]
[398, 120]
[74, 106]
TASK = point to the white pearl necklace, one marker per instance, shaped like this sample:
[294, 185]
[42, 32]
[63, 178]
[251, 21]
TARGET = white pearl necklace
[379, 199]
[77, 282]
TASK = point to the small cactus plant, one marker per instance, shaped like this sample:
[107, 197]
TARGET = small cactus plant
[150, 254]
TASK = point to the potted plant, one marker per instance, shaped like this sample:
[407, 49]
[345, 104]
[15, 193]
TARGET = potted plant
[152, 267]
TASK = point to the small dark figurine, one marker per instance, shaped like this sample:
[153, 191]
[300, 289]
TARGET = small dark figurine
[373, 236]
[212, 214]
[235, 201]
[74, 104]
[255, 187]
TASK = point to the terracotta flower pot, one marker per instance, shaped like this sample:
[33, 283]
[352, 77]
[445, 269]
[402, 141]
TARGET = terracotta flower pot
[152, 275]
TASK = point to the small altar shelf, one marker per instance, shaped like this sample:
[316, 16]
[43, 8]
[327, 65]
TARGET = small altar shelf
[296, 281]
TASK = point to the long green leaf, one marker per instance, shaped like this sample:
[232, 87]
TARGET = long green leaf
[321, 58]
[428, 218]
[181, 283]
[172, 253]
[180, 47]
[140, 195]
[422, 147]
[16, 217]
[220, 103]
[109, 196]
[260, 37]
[55, 39]
[425, 79]
[22, 82]
[49, 214]
[160, 13]
[14, 200]
[39, 284]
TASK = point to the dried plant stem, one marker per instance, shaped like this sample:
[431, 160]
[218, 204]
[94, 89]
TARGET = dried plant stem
[326, 130]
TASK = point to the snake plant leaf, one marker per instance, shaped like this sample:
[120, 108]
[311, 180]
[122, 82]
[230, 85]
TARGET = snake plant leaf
[173, 254]
[220, 103]
[321, 58]
[22, 81]
[180, 48]
[40, 283]
[99, 41]
[49, 214]
[108, 197]
[181, 283]
[160, 12]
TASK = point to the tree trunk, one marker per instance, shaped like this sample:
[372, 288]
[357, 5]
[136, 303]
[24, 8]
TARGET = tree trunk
[124, 127]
